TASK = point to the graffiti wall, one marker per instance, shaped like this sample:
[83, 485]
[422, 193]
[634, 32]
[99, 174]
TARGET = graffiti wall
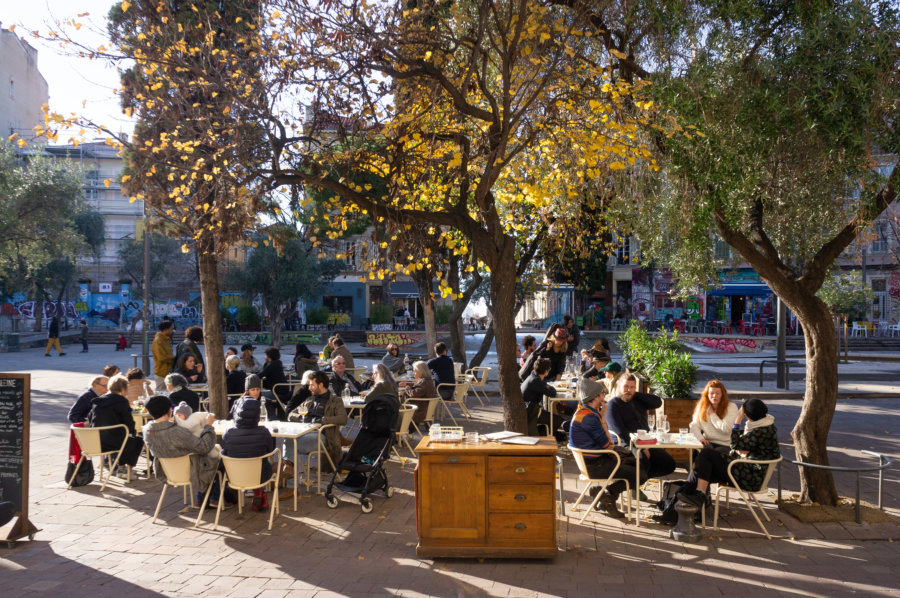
[727, 345]
[265, 338]
[403, 339]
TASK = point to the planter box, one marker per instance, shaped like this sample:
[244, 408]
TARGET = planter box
[381, 327]
[679, 412]
[317, 327]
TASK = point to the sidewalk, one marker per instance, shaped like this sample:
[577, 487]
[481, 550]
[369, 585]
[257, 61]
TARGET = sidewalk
[105, 545]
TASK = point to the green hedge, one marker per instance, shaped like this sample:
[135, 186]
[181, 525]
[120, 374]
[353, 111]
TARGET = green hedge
[661, 360]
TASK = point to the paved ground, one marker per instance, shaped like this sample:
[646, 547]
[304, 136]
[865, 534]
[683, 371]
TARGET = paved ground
[105, 545]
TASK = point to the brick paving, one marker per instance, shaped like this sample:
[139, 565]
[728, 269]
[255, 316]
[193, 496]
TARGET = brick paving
[99, 545]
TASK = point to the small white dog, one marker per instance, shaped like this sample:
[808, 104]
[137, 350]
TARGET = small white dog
[194, 422]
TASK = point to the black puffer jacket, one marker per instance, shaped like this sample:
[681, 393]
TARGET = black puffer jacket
[188, 396]
[109, 410]
[247, 438]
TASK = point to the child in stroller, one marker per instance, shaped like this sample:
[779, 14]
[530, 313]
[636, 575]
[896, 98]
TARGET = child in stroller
[363, 464]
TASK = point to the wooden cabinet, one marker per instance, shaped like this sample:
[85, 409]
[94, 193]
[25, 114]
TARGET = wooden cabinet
[486, 499]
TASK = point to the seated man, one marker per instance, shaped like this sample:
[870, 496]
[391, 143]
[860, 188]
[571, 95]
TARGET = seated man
[340, 379]
[627, 413]
[341, 350]
[82, 405]
[534, 389]
[324, 408]
[393, 361]
[443, 371]
[167, 440]
[589, 431]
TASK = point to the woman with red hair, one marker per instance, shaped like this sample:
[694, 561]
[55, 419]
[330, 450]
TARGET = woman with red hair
[714, 416]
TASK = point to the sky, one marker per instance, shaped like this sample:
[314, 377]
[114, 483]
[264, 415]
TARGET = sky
[72, 80]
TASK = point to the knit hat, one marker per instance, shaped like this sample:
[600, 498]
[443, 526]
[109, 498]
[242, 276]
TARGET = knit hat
[588, 389]
[561, 333]
[158, 406]
[612, 366]
[755, 409]
[252, 381]
[183, 409]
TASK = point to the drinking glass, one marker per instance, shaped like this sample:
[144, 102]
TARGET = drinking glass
[665, 425]
[651, 422]
[683, 434]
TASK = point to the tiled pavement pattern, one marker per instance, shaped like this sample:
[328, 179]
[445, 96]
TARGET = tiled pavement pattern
[97, 546]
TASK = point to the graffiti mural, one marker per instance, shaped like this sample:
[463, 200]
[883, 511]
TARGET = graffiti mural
[265, 338]
[383, 339]
[730, 345]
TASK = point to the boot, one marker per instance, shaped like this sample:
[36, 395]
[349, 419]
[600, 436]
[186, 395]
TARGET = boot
[346, 441]
[607, 504]
[260, 500]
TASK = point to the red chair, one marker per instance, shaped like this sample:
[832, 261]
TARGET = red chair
[725, 326]
[679, 326]
[744, 328]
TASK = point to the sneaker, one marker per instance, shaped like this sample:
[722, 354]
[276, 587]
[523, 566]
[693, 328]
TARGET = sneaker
[607, 504]
[61, 354]
[666, 518]
[46, 355]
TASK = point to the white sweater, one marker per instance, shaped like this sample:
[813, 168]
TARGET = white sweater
[716, 429]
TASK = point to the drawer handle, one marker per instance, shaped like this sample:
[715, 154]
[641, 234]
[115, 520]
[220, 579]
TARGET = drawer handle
[520, 526]
[519, 469]
[453, 460]
[520, 497]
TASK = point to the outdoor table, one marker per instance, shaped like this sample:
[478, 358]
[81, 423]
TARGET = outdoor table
[293, 430]
[664, 441]
[564, 392]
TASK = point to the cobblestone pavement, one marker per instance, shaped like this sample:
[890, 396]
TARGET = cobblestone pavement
[98, 545]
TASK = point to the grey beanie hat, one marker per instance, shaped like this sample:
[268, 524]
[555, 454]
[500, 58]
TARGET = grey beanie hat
[252, 381]
[588, 389]
[183, 409]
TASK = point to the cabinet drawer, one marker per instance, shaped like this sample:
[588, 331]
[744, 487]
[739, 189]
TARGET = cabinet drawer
[511, 529]
[520, 470]
[520, 497]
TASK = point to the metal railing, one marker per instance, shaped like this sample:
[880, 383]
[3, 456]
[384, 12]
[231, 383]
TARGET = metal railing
[883, 461]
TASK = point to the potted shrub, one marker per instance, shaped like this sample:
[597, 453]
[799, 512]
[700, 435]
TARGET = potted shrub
[672, 378]
[248, 318]
[381, 317]
[317, 318]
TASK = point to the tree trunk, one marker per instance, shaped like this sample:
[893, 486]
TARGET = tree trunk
[430, 329]
[811, 431]
[277, 316]
[458, 340]
[457, 326]
[212, 328]
[484, 348]
[503, 293]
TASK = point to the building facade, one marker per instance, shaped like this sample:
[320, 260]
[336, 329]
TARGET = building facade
[23, 90]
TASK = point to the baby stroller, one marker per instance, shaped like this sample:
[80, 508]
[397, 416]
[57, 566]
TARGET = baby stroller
[364, 462]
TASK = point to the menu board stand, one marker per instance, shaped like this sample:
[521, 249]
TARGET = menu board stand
[15, 419]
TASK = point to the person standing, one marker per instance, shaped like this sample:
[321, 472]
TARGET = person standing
[163, 356]
[84, 335]
[53, 337]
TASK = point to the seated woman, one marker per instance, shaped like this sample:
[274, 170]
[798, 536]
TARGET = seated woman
[176, 385]
[138, 386]
[304, 360]
[713, 417]
[188, 367]
[422, 388]
[248, 439]
[111, 409]
[393, 361]
[234, 377]
[758, 440]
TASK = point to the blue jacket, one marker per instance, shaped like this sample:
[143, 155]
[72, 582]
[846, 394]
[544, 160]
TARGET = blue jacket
[586, 431]
[442, 370]
[82, 406]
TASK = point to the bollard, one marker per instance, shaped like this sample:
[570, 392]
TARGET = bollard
[685, 530]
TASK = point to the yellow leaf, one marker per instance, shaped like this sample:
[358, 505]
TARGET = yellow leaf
[618, 54]
[125, 6]
[185, 248]
[107, 182]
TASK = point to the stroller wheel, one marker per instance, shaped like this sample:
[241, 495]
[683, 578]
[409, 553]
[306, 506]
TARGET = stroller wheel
[366, 505]
[389, 492]
[332, 501]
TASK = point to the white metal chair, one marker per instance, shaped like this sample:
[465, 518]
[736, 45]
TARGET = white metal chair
[433, 403]
[859, 328]
[460, 390]
[584, 476]
[402, 433]
[771, 465]
[244, 474]
[458, 371]
[477, 377]
[89, 441]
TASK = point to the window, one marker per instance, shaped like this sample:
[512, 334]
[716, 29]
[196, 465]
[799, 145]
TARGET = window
[722, 250]
[12, 88]
[623, 251]
[348, 251]
[881, 239]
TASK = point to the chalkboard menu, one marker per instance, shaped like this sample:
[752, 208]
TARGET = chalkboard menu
[15, 396]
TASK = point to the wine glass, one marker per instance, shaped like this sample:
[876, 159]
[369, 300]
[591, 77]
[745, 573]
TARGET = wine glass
[665, 424]
[651, 422]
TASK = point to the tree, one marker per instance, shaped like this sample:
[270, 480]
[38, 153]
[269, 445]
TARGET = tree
[165, 255]
[845, 294]
[41, 206]
[786, 119]
[193, 82]
[282, 272]
[485, 112]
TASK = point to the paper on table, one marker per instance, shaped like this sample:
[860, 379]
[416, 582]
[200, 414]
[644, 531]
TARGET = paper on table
[500, 435]
[521, 440]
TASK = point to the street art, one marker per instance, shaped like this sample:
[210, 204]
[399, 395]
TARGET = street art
[383, 339]
[729, 345]
[265, 338]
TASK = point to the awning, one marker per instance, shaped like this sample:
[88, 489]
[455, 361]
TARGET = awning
[406, 289]
[742, 289]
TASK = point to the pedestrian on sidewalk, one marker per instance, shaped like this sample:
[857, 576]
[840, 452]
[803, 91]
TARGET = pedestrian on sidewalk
[53, 337]
[84, 335]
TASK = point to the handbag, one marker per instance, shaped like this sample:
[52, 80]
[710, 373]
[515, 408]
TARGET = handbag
[85, 473]
[286, 473]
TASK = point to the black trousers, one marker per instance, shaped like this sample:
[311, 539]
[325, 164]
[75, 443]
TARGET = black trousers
[603, 465]
[659, 464]
[710, 466]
